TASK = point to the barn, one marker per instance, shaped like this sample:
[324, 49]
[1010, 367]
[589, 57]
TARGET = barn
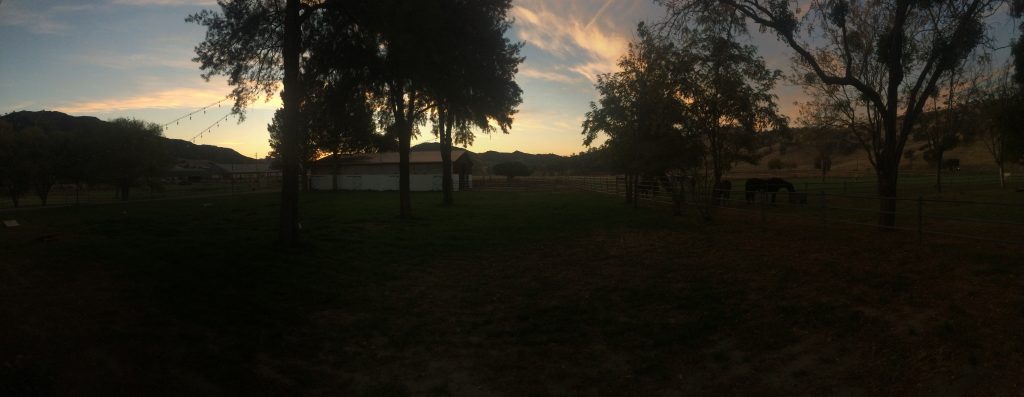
[379, 171]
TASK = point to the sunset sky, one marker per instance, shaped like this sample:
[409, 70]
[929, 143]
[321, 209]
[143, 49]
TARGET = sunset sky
[132, 58]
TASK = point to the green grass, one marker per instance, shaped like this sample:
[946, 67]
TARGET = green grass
[515, 293]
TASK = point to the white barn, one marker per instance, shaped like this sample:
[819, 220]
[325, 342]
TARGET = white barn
[379, 171]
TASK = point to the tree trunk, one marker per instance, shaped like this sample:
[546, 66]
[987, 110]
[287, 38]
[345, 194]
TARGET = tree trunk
[677, 197]
[43, 191]
[14, 196]
[1002, 176]
[404, 193]
[289, 217]
[629, 189]
[446, 121]
[938, 171]
[887, 196]
[636, 191]
[334, 171]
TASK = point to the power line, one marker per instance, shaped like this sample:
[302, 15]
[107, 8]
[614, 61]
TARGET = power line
[208, 129]
[190, 114]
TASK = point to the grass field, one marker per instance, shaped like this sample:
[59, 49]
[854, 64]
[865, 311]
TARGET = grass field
[506, 293]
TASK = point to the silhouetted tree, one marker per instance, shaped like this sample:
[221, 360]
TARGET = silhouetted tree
[999, 123]
[728, 96]
[134, 155]
[15, 163]
[951, 119]
[476, 84]
[893, 53]
[258, 44]
[640, 111]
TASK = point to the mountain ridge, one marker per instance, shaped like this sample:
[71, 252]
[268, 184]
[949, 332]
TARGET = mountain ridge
[176, 148]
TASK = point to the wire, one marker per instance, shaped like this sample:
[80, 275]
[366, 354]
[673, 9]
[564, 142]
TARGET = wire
[211, 127]
[194, 112]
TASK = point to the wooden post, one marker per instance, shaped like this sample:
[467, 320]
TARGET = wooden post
[764, 201]
[920, 219]
[824, 209]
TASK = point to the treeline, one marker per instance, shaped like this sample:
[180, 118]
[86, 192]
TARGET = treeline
[41, 149]
[358, 74]
[691, 99]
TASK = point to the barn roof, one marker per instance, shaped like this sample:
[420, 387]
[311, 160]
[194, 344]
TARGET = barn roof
[424, 157]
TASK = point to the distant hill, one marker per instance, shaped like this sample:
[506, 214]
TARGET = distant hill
[182, 149]
[482, 162]
[177, 148]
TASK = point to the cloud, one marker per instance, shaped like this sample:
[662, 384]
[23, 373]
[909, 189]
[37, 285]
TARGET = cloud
[175, 98]
[555, 76]
[16, 106]
[592, 46]
[165, 58]
[35, 21]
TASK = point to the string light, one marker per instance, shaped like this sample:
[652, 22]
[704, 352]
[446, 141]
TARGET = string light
[194, 112]
[211, 127]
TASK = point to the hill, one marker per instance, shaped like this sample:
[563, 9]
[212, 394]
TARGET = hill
[177, 148]
[482, 162]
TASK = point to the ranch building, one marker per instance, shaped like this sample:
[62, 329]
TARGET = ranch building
[379, 171]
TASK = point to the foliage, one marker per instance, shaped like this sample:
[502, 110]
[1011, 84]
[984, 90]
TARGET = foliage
[885, 58]
[134, 155]
[640, 110]
[511, 169]
[1000, 123]
[40, 149]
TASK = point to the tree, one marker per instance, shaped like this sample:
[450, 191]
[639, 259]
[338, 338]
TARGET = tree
[42, 148]
[826, 128]
[728, 95]
[951, 119]
[258, 45]
[511, 169]
[15, 163]
[133, 155]
[1000, 130]
[640, 111]
[477, 85]
[892, 53]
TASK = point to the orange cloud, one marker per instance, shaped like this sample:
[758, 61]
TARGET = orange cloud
[176, 98]
[593, 46]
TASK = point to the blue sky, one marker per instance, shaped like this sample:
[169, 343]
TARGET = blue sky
[131, 58]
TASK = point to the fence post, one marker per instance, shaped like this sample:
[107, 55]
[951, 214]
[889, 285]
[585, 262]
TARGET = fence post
[764, 200]
[824, 208]
[920, 219]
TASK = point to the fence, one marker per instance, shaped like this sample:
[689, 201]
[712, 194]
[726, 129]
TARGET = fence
[65, 195]
[977, 220]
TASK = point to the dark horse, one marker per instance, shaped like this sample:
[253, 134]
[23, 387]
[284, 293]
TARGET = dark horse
[773, 185]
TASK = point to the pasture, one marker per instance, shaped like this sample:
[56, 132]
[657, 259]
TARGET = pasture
[506, 293]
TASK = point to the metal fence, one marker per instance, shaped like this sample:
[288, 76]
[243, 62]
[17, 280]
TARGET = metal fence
[977, 220]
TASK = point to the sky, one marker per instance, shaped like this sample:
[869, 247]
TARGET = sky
[132, 58]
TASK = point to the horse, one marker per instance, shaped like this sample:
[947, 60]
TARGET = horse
[772, 185]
